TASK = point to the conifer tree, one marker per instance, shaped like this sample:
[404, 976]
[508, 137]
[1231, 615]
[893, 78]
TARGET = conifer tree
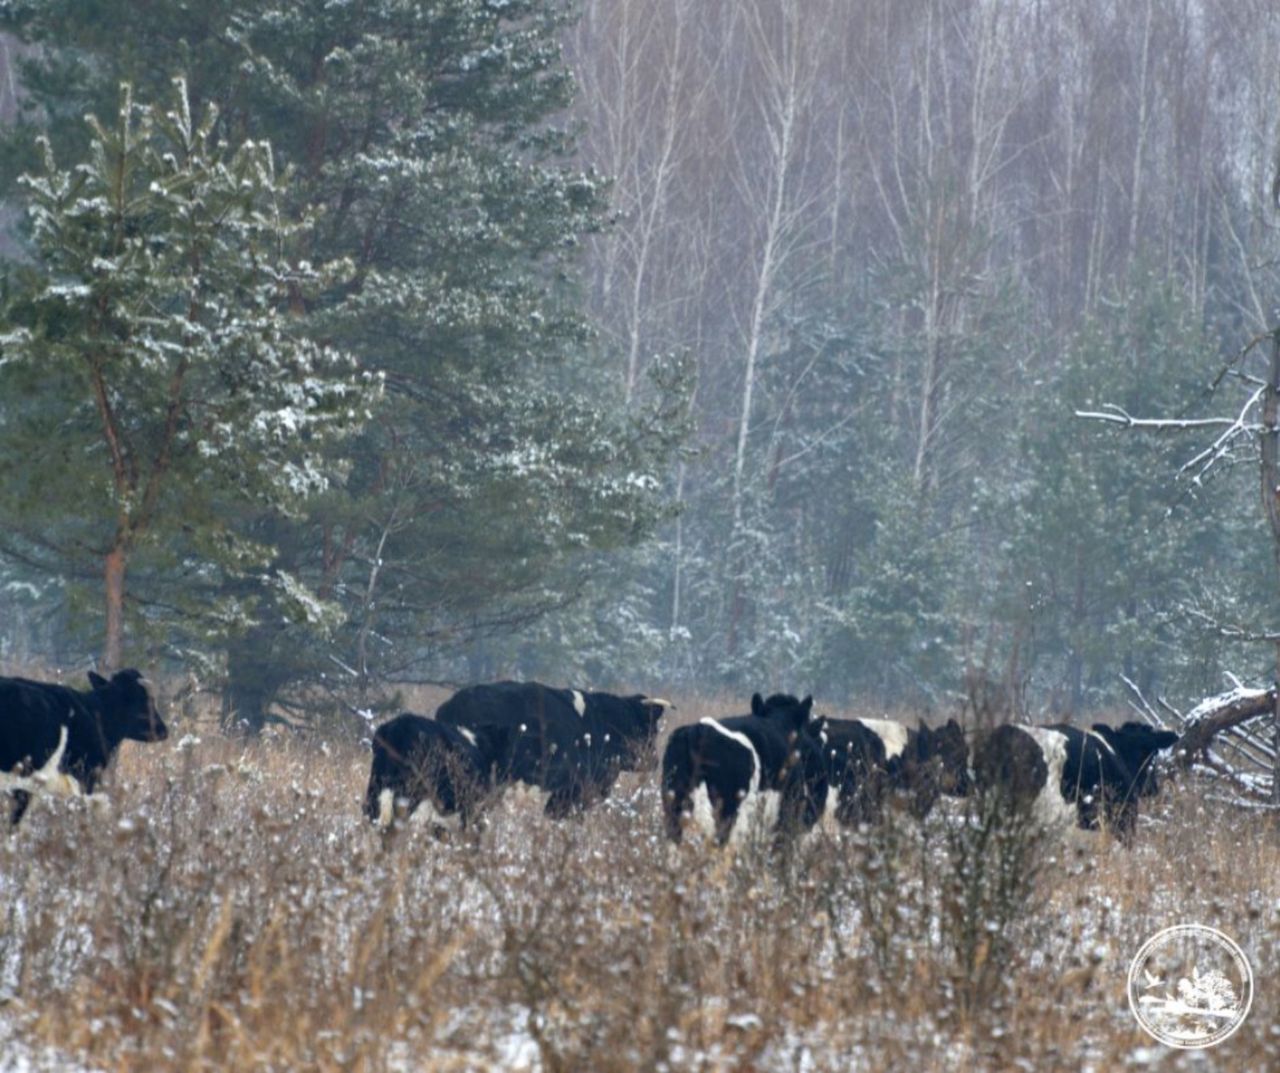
[153, 381]
[427, 143]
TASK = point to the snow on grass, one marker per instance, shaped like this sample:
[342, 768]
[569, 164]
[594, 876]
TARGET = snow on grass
[237, 912]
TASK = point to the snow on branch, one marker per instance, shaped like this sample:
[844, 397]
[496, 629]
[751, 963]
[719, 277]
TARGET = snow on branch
[1215, 740]
[1233, 428]
[1117, 415]
[1223, 714]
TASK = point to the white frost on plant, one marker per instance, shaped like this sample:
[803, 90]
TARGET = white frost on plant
[300, 603]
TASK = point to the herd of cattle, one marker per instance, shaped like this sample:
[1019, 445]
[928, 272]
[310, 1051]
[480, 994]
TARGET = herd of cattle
[779, 770]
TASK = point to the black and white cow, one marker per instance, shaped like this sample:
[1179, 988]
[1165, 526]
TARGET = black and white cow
[432, 772]
[746, 775]
[869, 758]
[57, 739]
[569, 743]
[1070, 776]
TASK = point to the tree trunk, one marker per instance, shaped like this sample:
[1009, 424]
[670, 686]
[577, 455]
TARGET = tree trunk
[254, 679]
[1275, 718]
[1271, 506]
[113, 577]
[1218, 714]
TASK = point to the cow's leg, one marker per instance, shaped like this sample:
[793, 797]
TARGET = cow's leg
[1089, 810]
[674, 807]
[1122, 819]
[725, 811]
[21, 799]
[868, 797]
[564, 803]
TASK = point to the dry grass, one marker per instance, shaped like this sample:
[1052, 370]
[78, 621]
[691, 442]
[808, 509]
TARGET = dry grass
[232, 912]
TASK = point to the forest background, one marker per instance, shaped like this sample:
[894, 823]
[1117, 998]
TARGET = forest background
[654, 344]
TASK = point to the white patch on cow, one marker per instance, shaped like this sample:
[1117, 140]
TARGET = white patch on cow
[46, 778]
[468, 735]
[50, 768]
[386, 810]
[425, 815]
[827, 823]
[744, 741]
[756, 818]
[579, 702]
[1050, 807]
[757, 815]
[894, 735]
[703, 816]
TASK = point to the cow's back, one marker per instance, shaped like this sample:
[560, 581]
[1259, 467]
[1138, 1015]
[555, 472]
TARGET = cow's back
[506, 704]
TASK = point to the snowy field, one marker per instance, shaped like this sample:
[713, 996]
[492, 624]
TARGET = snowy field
[232, 911]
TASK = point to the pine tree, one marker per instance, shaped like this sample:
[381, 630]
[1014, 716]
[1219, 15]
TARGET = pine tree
[154, 382]
[425, 142]
[1110, 571]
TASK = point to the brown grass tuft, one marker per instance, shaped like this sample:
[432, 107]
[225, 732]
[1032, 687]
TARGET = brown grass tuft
[232, 911]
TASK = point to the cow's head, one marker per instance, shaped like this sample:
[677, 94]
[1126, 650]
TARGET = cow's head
[952, 751]
[937, 762]
[646, 716]
[1137, 744]
[127, 704]
[783, 708]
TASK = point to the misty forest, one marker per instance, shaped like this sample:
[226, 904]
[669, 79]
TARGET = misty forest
[651, 343]
[425, 423]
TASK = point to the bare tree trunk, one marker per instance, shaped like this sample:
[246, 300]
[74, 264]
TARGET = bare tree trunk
[1139, 147]
[1271, 505]
[367, 609]
[786, 97]
[1275, 740]
[677, 555]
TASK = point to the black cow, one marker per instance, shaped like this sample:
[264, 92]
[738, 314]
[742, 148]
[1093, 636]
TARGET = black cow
[449, 770]
[569, 743]
[868, 758]
[745, 775]
[59, 739]
[1071, 776]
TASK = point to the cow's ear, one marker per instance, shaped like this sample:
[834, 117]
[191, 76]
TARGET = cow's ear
[806, 708]
[757, 704]
[954, 722]
[97, 681]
